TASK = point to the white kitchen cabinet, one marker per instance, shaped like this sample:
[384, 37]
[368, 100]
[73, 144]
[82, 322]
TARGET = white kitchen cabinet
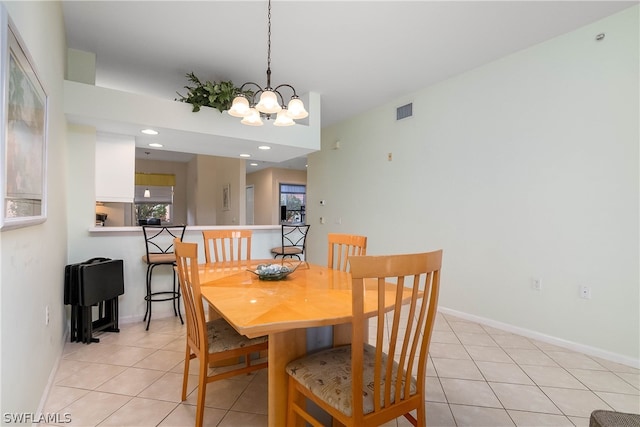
[115, 168]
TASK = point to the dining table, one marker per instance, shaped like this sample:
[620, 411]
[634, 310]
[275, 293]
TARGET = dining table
[310, 296]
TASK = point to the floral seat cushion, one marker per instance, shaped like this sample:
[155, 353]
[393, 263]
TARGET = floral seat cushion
[223, 337]
[327, 374]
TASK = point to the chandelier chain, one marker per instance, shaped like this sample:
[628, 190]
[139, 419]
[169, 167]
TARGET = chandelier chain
[269, 45]
[271, 102]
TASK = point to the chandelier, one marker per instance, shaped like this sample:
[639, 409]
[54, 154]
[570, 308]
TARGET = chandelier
[271, 100]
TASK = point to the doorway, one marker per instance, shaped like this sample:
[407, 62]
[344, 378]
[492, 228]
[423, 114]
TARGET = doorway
[249, 194]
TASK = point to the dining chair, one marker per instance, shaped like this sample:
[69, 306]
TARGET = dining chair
[209, 341]
[342, 246]
[390, 373]
[293, 241]
[158, 240]
[227, 245]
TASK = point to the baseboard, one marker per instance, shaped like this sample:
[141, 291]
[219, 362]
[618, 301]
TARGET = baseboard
[139, 318]
[591, 351]
[52, 374]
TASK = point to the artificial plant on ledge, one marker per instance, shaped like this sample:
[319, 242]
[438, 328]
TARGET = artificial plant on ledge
[217, 95]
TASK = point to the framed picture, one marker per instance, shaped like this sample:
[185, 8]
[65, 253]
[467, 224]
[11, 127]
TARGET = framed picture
[23, 133]
[226, 197]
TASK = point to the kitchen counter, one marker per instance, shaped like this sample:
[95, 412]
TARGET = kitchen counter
[138, 229]
[127, 243]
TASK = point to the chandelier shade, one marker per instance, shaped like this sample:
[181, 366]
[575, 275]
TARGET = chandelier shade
[283, 119]
[252, 118]
[268, 103]
[296, 109]
[239, 107]
[270, 100]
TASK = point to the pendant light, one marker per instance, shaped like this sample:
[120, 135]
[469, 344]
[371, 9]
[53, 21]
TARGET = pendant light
[270, 100]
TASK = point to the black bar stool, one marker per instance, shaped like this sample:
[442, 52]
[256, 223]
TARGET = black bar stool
[158, 241]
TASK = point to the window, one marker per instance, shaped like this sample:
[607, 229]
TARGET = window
[157, 205]
[293, 199]
[153, 198]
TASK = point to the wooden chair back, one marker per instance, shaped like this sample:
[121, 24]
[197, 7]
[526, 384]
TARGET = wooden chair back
[187, 266]
[225, 343]
[409, 329]
[342, 246]
[379, 376]
[227, 245]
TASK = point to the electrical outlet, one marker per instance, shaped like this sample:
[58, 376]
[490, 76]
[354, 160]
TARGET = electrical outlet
[585, 292]
[46, 315]
[536, 284]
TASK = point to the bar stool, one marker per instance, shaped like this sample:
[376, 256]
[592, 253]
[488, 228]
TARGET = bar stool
[158, 241]
[293, 241]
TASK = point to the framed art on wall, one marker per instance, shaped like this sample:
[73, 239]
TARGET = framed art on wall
[23, 133]
[226, 197]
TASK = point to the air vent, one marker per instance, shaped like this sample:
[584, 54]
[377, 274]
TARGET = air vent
[404, 111]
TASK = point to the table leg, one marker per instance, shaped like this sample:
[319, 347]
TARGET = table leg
[341, 334]
[283, 347]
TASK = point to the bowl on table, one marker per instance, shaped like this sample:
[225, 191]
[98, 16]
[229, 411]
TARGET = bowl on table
[275, 271]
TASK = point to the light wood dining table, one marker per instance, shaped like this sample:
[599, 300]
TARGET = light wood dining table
[311, 296]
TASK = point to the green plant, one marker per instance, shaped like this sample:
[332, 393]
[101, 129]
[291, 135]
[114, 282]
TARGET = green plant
[217, 95]
[151, 210]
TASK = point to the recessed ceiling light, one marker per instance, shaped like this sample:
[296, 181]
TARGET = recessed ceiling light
[245, 155]
[155, 144]
[149, 132]
[264, 147]
[253, 164]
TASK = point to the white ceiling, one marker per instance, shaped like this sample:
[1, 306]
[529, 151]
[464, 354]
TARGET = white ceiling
[356, 54]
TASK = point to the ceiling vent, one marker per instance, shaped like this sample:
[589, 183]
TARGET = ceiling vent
[404, 111]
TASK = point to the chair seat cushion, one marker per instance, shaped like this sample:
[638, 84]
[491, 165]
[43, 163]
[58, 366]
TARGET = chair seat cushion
[327, 374]
[602, 418]
[223, 337]
[160, 258]
[287, 250]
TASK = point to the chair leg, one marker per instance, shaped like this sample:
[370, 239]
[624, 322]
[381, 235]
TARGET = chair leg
[176, 301]
[185, 376]
[421, 416]
[296, 411]
[291, 400]
[147, 315]
[202, 392]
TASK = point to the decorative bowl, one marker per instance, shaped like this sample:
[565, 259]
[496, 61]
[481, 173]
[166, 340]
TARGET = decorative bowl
[274, 271]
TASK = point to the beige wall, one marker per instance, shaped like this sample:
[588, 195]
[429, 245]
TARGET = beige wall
[524, 168]
[266, 185]
[32, 259]
[207, 177]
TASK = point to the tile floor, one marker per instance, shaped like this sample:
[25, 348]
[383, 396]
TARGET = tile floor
[477, 376]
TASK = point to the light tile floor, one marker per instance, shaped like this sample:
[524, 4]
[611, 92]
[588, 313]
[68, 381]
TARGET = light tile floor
[477, 376]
